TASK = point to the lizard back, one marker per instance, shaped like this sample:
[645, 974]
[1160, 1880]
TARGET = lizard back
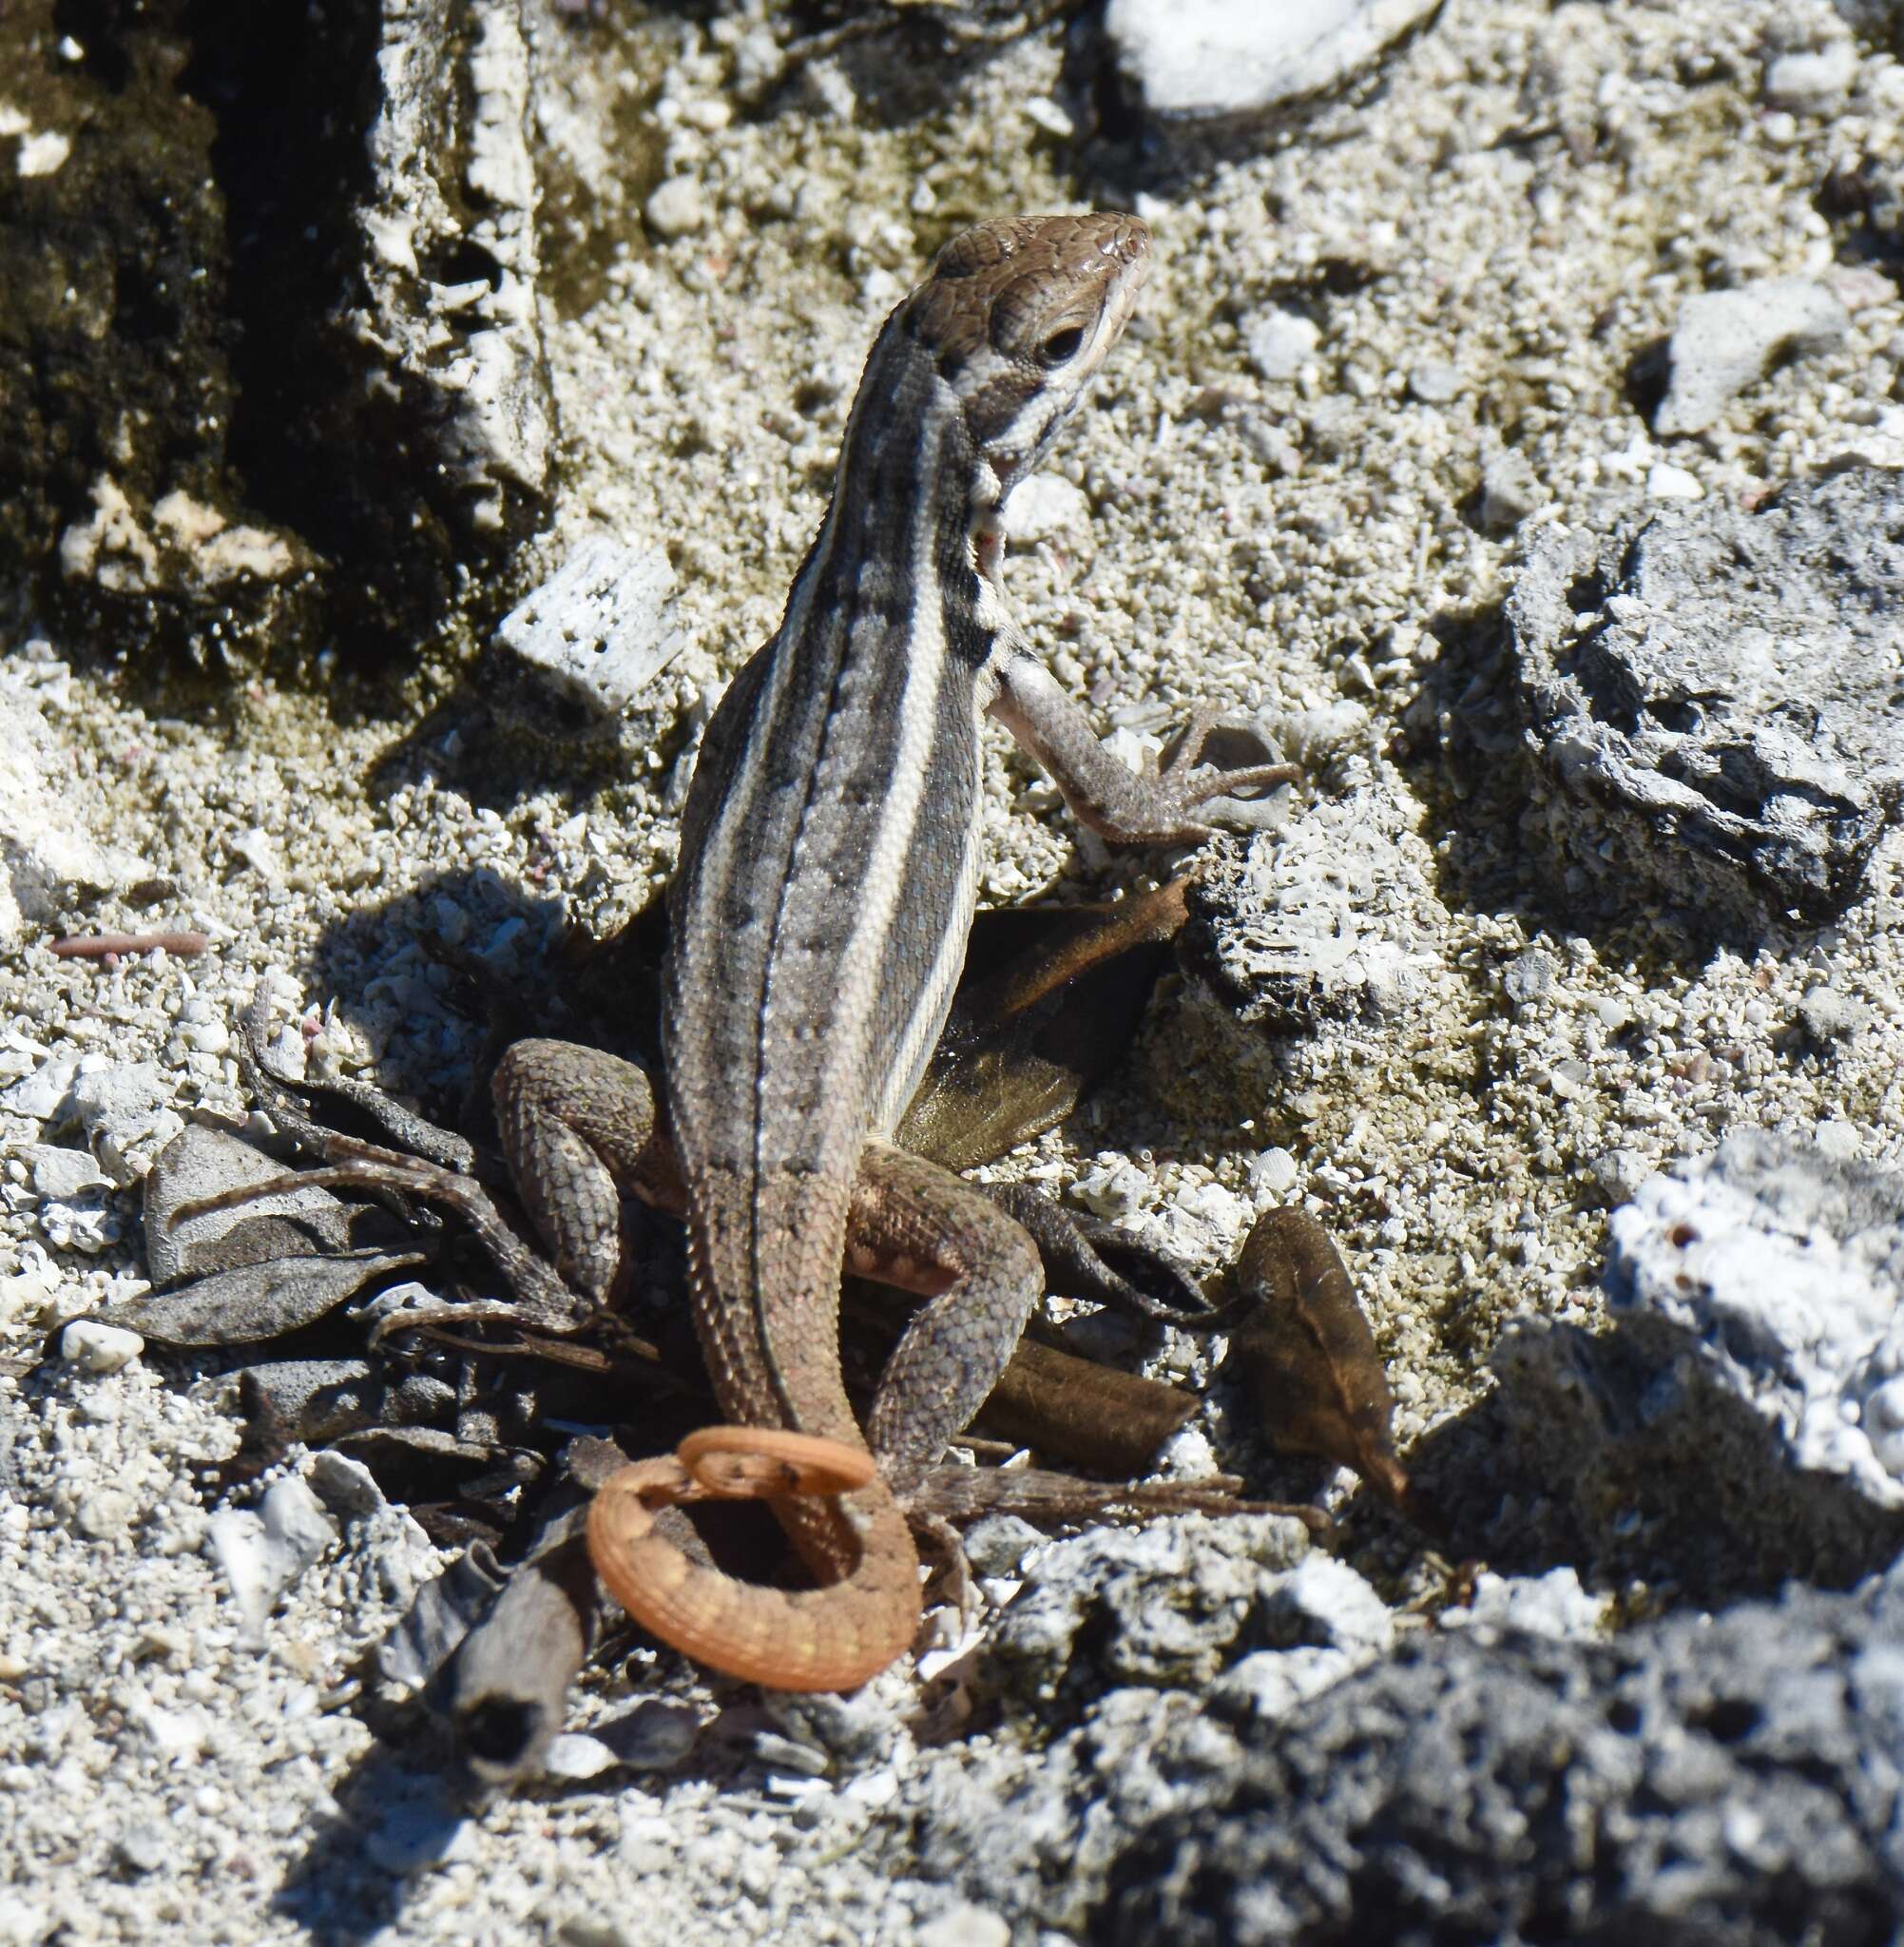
[828, 846]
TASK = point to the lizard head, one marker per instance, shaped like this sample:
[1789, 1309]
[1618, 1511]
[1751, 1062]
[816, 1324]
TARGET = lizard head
[1018, 316]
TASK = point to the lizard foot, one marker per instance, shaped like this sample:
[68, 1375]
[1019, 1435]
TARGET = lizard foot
[1206, 785]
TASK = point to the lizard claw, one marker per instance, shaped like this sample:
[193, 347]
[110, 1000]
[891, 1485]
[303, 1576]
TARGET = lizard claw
[1206, 785]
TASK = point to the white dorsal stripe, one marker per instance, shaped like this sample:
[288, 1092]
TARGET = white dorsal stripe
[863, 965]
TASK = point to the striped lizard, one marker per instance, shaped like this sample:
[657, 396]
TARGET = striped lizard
[827, 879]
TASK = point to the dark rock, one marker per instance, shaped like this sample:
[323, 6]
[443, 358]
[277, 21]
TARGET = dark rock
[1715, 696]
[267, 307]
[1697, 1780]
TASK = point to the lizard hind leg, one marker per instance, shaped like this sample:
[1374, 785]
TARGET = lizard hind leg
[923, 1230]
[579, 1127]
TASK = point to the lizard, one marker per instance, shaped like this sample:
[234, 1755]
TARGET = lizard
[826, 879]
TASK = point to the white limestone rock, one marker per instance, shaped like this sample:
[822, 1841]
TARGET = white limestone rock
[1223, 60]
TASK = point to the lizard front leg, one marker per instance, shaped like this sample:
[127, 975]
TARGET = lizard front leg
[1178, 805]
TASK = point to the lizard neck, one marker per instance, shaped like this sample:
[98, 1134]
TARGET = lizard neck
[911, 491]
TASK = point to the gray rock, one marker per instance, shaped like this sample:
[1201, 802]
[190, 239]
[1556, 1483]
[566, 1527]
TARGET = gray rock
[1433, 382]
[313, 1399]
[1530, 977]
[1700, 1780]
[1725, 341]
[144, 1847]
[1828, 1015]
[1745, 1418]
[262, 1554]
[1509, 490]
[1167, 1604]
[1233, 60]
[96, 1348]
[602, 627]
[1714, 698]
[1045, 506]
[997, 1544]
[1781, 1271]
[125, 1110]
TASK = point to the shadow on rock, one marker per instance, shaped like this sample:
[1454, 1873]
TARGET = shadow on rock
[1610, 1453]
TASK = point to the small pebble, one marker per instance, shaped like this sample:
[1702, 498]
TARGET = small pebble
[1812, 83]
[964, 1925]
[96, 1348]
[1279, 343]
[677, 208]
[1827, 1016]
[1045, 506]
[1433, 383]
[998, 1544]
[1666, 482]
[1510, 491]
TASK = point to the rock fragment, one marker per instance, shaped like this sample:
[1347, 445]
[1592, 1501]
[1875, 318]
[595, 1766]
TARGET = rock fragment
[1318, 921]
[1711, 1759]
[1278, 343]
[1714, 700]
[1726, 340]
[96, 1348]
[1782, 1272]
[1745, 1419]
[1812, 81]
[602, 628]
[1236, 60]
[262, 1554]
[1509, 490]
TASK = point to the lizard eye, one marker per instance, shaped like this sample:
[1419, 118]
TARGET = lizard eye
[1061, 345]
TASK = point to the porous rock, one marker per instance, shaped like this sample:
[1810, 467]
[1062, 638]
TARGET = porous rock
[602, 628]
[1167, 1604]
[1745, 1418]
[1320, 920]
[1698, 1779]
[1714, 697]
